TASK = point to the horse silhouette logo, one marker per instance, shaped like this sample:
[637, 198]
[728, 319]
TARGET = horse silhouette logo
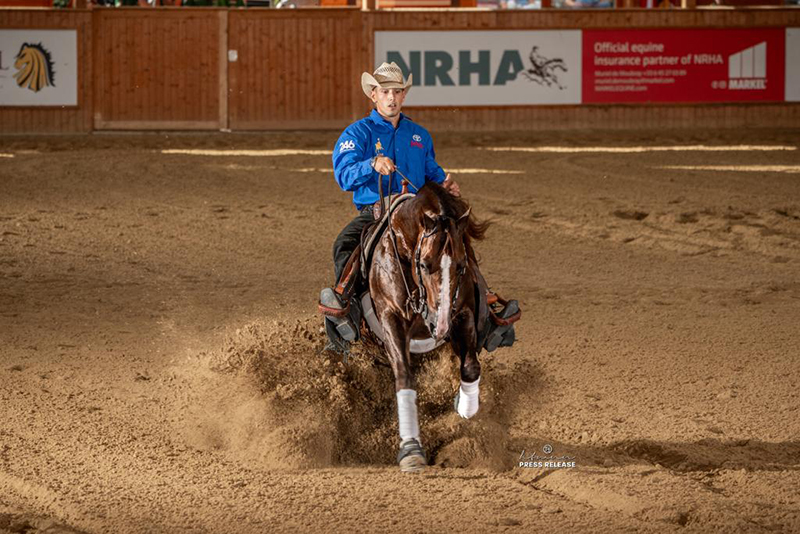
[34, 67]
[543, 70]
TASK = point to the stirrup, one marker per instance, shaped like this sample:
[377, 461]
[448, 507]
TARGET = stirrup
[501, 333]
[337, 314]
[508, 315]
[330, 304]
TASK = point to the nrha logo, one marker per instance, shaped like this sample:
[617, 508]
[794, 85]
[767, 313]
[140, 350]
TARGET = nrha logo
[441, 68]
[748, 69]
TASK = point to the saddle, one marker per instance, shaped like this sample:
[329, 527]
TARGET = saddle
[361, 257]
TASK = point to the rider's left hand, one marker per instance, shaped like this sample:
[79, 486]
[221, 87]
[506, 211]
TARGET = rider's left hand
[452, 186]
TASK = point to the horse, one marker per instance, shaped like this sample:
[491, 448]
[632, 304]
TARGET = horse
[422, 282]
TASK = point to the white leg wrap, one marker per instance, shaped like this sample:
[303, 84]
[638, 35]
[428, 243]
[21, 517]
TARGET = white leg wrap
[407, 414]
[468, 399]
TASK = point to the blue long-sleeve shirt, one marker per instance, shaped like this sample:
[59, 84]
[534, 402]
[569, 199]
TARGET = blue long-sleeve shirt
[409, 145]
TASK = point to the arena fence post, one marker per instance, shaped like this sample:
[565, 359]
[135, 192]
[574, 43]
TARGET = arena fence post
[223, 70]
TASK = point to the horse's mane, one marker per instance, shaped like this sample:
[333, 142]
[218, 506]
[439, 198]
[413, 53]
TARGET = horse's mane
[439, 200]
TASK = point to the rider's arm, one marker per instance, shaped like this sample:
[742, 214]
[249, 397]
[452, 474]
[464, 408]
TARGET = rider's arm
[433, 172]
[352, 166]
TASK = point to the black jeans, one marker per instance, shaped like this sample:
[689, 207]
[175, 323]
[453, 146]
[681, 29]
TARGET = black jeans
[348, 239]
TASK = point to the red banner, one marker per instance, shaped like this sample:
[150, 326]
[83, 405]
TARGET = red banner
[621, 66]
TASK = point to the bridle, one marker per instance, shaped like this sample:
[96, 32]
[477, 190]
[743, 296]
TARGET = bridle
[421, 306]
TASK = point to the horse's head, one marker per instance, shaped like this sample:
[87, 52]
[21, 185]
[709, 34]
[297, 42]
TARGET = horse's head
[441, 264]
[34, 67]
[442, 252]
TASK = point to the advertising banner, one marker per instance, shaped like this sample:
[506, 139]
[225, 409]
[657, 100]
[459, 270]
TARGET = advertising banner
[709, 65]
[486, 68]
[38, 68]
[793, 64]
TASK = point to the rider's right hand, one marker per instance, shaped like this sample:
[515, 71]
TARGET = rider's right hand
[383, 165]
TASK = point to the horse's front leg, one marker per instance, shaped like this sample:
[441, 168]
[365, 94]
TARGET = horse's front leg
[464, 343]
[411, 456]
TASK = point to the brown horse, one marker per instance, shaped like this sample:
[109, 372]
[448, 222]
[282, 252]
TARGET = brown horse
[422, 282]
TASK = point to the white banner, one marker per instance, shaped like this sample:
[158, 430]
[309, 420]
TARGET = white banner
[793, 64]
[38, 68]
[486, 68]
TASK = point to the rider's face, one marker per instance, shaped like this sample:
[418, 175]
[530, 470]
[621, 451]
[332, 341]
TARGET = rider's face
[388, 101]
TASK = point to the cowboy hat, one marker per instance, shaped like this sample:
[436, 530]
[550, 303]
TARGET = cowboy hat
[387, 76]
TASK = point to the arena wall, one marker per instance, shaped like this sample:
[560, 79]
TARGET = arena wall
[616, 116]
[294, 69]
[209, 69]
[158, 69]
[53, 119]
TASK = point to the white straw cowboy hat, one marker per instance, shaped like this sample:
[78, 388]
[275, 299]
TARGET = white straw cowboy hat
[387, 76]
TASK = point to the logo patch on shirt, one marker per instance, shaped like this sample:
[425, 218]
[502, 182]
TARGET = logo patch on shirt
[417, 144]
[344, 146]
[417, 138]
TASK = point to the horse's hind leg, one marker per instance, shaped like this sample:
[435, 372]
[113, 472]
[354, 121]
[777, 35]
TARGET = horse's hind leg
[464, 343]
[411, 457]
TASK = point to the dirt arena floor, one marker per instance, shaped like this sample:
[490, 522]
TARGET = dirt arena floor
[160, 353]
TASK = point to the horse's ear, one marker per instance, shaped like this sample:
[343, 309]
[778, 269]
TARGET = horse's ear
[464, 220]
[429, 222]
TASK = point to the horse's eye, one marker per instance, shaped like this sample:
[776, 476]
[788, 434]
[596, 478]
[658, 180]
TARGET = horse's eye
[424, 266]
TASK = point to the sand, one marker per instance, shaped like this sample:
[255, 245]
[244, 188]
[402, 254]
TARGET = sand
[160, 353]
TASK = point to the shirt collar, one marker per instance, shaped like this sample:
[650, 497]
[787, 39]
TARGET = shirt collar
[378, 119]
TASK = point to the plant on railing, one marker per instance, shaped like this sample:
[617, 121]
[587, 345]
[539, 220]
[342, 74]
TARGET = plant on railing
[61, 3]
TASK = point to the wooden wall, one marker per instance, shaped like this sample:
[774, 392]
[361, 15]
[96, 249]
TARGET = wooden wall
[295, 68]
[168, 68]
[157, 68]
[53, 119]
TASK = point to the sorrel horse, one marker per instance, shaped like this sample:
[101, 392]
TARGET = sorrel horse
[422, 282]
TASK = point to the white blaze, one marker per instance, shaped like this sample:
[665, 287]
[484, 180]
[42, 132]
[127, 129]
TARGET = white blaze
[443, 315]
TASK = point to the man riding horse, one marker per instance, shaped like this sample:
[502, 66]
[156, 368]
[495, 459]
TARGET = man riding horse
[376, 147]
[433, 230]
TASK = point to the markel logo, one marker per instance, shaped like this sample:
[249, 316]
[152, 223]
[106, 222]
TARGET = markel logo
[748, 69]
[441, 68]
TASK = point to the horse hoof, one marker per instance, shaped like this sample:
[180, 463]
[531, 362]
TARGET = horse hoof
[413, 464]
[411, 457]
